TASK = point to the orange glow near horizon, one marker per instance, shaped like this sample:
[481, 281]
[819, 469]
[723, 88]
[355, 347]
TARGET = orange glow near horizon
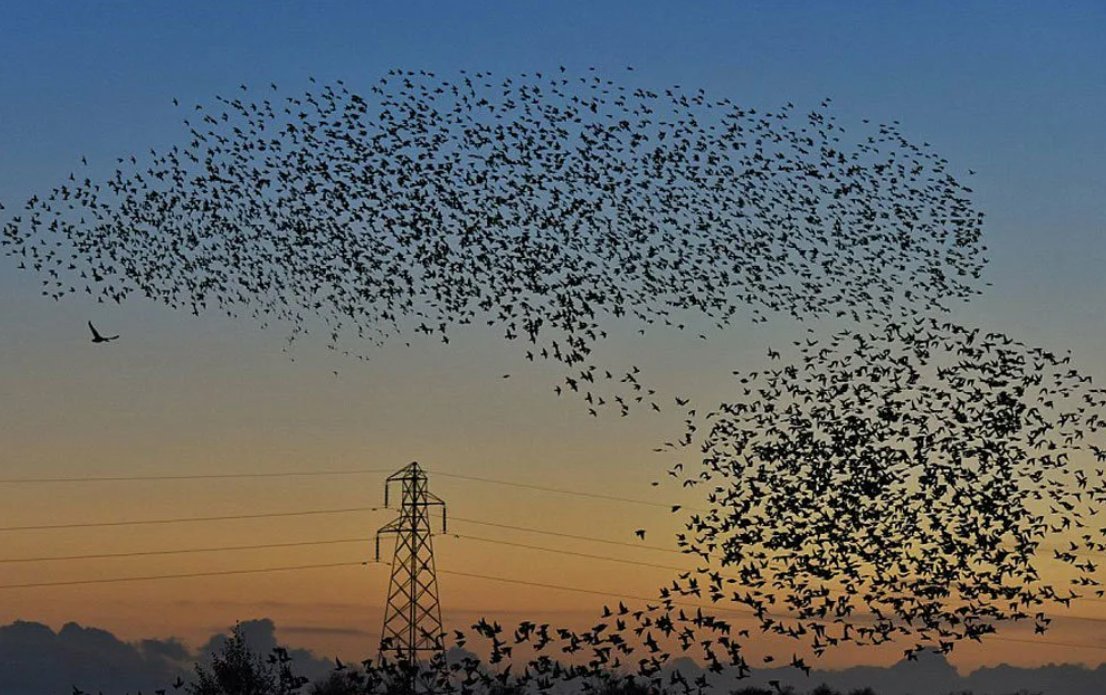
[339, 610]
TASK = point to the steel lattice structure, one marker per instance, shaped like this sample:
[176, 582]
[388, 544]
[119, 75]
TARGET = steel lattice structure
[412, 617]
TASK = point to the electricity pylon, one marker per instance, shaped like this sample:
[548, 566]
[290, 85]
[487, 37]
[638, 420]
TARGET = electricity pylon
[413, 616]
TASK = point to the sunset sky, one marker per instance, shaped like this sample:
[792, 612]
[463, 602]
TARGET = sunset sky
[1015, 91]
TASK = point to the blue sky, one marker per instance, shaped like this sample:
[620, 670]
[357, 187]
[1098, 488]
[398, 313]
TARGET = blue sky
[1013, 90]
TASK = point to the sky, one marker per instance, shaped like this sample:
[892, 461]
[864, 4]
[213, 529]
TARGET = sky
[1015, 91]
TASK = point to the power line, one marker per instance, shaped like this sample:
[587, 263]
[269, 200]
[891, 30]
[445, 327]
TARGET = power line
[325, 512]
[513, 527]
[672, 567]
[342, 511]
[557, 490]
[586, 538]
[313, 512]
[375, 471]
[184, 519]
[640, 545]
[566, 535]
[182, 575]
[337, 541]
[741, 611]
[198, 476]
[322, 473]
[183, 551]
[566, 552]
[559, 587]
[608, 594]
[748, 612]
[1053, 643]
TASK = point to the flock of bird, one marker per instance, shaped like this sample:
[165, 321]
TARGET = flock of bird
[901, 484]
[919, 484]
[542, 204]
[919, 475]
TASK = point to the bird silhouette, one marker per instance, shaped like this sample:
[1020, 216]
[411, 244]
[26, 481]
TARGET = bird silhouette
[97, 338]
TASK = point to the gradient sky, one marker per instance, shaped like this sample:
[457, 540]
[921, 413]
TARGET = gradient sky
[1014, 90]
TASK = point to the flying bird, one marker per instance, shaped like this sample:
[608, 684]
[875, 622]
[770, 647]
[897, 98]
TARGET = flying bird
[97, 338]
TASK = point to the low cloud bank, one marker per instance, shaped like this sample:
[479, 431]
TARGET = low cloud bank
[36, 660]
[932, 674]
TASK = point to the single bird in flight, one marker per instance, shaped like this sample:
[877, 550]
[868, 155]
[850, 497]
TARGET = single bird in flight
[97, 338]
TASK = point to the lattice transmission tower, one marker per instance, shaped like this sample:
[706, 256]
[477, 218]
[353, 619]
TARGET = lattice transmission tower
[413, 616]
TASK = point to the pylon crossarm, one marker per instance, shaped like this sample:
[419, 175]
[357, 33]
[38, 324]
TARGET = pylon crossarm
[394, 526]
[434, 500]
[391, 527]
[378, 545]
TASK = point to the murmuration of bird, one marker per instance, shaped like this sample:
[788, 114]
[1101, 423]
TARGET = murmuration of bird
[542, 204]
[899, 486]
[922, 483]
[547, 206]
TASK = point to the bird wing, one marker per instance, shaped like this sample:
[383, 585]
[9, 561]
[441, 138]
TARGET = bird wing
[95, 333]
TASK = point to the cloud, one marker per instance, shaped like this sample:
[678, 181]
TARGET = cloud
[171, 649]
[260, 634]
[277, 604]
[932, 673]
[34, 660]
[320, 630]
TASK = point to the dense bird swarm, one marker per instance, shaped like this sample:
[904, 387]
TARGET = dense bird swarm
[926, 481]
[541, 204]
[918, 485]
[903, 484]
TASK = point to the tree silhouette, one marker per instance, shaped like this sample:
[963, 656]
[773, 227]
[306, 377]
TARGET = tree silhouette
[336, 683]
[237, 670]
